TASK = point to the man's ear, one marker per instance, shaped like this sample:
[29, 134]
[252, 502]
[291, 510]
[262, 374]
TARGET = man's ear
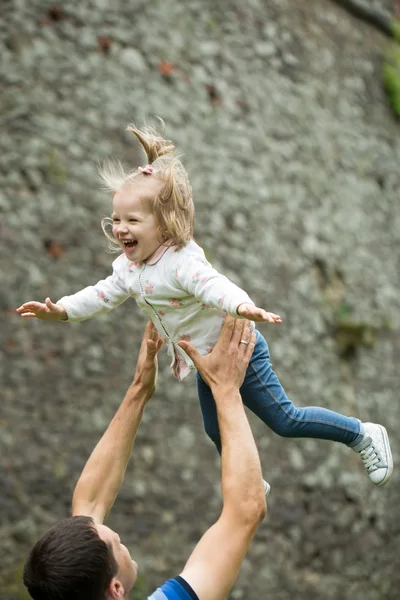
[115, 589]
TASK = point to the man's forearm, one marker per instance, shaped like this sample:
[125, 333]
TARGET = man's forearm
[240, 462]
[104, 472]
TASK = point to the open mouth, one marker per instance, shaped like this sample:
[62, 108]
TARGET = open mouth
[129, 245]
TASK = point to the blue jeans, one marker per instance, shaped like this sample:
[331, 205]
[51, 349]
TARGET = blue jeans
[263, 394]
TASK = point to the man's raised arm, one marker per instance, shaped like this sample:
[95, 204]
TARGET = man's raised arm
[215, 562]
[104, 471]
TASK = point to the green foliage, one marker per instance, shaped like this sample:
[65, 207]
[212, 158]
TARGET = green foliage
[391, 75]
[343, 311]
[13, 587]
[351, 333]
[141, 589]
[396, 30]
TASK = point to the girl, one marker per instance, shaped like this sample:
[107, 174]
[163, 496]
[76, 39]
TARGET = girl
[165, 270]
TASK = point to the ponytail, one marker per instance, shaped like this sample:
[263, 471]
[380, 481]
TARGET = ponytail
[154, 144]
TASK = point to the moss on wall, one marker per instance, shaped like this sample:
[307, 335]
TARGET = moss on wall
[391, 71]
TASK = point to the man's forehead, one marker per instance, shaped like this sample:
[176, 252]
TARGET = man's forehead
[105, 533]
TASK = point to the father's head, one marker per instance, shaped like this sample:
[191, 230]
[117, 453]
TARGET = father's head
[78, 559]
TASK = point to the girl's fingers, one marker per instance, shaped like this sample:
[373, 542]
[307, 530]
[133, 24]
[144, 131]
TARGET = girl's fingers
[33, 307]
[23, 307]
[272, 318]
[50, 305]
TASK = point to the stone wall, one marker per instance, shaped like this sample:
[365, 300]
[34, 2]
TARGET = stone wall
[293, 155]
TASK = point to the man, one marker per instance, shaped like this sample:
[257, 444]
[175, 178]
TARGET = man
[82, 559]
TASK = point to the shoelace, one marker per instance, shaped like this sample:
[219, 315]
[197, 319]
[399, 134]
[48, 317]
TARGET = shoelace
[370, 458]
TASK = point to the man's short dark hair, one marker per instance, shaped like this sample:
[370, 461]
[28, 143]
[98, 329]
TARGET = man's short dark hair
[70, 562]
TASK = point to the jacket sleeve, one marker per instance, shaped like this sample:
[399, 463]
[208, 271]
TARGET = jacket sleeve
[199, 278]
[97, 299]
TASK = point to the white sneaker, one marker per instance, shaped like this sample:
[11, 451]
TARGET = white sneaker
[375, 453]
[267, 488]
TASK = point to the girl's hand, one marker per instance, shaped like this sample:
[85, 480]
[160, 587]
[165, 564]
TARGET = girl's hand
[253, 313]
[47, 311]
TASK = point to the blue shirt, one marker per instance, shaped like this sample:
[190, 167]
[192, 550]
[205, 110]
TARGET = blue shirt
[174, 589]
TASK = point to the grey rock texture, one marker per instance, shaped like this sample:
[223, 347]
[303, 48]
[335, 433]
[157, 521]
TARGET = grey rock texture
[294, 159]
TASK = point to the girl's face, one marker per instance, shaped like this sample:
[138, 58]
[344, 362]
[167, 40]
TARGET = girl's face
[134, 226]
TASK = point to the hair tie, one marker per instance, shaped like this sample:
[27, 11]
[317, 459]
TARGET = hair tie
[147, 170]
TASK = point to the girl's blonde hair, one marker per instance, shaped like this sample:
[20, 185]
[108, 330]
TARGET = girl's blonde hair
[173, 207]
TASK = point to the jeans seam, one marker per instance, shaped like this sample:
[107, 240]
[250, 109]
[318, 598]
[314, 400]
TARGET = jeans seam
[287, 414]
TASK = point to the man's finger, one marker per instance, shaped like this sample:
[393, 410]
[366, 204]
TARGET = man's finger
[154, 346]
[150, 332]
[251, 345]
[238, 332]
[190, 351]
[149, 327]
[227, 330]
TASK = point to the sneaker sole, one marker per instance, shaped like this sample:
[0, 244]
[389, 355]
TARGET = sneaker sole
[388, 454]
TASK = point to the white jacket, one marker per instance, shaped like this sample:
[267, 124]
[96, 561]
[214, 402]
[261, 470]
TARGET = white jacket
[177, 288]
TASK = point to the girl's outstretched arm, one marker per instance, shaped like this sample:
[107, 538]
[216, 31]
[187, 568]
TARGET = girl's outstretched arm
[47, 311]
[196, 275]
[93, 300]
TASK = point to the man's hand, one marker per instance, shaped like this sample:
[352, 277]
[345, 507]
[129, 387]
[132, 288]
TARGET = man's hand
[147, 363]
[253, 313]
[47, 311]
[226, 365]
